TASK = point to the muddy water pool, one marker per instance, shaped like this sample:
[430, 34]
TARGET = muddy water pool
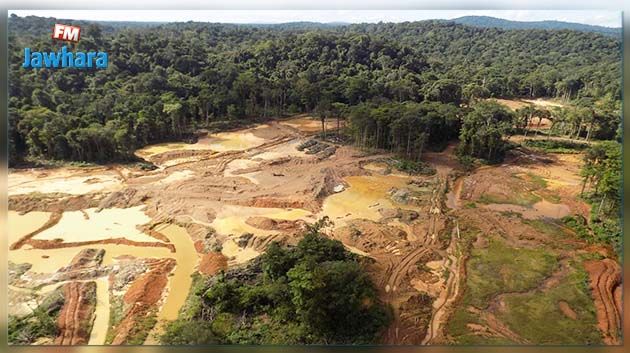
[87, 225]
[362, 199]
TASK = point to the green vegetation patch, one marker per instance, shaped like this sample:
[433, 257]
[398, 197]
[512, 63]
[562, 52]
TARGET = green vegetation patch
[520, 198]
[538, 181]
[496, 269]
[556, 146]
[578, 224]
[41, 323]
[550, 227]
[537, 316]
[314, 293]
[141, 329]
[412, 167]
[115, 316]
[499, 268]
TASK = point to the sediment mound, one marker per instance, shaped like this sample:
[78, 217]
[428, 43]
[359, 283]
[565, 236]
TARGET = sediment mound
[605, 278]
[56, 203]
[56, 244]
[141, 298]
[77, 313]
[370, 236]
[274, 224]
[272, 202]
[123, 199]
[211, 263]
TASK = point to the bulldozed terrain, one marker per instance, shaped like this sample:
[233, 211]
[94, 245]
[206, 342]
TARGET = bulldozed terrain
[461, 257]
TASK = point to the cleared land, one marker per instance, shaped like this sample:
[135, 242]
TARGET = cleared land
[134, 237]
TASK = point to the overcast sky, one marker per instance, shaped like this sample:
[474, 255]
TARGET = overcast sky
[592, 17]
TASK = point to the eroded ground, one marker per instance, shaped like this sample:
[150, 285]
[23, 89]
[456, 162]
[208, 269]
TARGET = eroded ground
[459, 257]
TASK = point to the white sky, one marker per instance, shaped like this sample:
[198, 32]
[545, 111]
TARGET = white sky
[606, 18]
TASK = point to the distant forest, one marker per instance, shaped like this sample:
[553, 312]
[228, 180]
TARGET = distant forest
[485, 21]
[404, 87]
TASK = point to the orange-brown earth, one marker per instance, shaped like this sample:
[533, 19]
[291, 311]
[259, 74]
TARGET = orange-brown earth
[605, 276]
[211, 263]
[76, 316]
[140, 300]
[266, 190]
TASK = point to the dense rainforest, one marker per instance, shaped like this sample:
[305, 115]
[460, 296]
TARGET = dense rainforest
[401, 87]
[405, 86]
[312, 293]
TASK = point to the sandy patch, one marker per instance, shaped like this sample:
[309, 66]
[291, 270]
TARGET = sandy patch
[232, 168]
[177, 176]
[309, 124]
[284, 150]
[62, 181]
[231, 219]
[237, 254]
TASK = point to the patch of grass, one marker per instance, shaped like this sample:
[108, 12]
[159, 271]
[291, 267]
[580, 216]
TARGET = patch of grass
[511, 214]
[496, 269]
[537, 180]
[519, 198]
[193, 304]
[142, 328]
[537, 316]
[470, 205]
[115, 316]
[579, 226]
[546, 226]
[556, 146]
[553, 198]
[499, 268]
[41, 323]
[412, 167]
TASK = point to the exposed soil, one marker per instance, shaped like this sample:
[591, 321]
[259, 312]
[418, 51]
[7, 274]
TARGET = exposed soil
[605, 278]
[566, 310]
[212, 263]
[141, 298]
[77, 313]
[220, 202]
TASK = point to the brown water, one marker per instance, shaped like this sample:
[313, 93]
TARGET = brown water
[236, 254]
[152, 150]
[220, 142]
[362, 199]
[108, 223]
[179, 283]
[18, 226]
[101, 312]
[232, 141]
